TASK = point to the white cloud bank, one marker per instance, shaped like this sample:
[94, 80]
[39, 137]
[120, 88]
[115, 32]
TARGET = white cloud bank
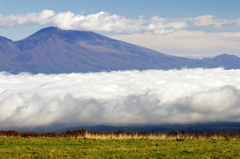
[104, 21]
[101, 21]
[128, 97]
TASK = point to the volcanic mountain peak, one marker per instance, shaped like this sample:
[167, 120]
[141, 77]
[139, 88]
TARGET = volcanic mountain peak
[53, 50]
[69, 36]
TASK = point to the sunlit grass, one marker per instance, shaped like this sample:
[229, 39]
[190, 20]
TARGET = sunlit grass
[36, 147]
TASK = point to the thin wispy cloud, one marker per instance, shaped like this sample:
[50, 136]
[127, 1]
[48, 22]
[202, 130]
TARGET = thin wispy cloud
[212, 21]
[104, 21]
[121, 97]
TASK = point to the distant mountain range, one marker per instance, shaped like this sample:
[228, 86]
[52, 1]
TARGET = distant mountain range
[52, 50]
[221, 127]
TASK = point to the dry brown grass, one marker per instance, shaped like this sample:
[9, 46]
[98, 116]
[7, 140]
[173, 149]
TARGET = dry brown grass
[81, 133]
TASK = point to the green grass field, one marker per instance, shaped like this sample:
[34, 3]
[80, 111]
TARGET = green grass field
[31, 147]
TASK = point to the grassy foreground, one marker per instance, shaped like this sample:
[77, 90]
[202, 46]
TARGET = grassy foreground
[40, 147]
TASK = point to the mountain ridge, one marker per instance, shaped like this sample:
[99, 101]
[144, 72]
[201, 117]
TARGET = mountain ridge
[229, 61]
[53, 50]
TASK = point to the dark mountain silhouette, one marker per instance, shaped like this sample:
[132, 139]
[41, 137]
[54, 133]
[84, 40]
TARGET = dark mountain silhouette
[52, 50]
[221, 127]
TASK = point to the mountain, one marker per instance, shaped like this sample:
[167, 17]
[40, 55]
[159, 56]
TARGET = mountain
[8, 51]
[221, 127]
[52, 50]
[227, 61]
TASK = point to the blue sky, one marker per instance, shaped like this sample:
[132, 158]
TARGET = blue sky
[128, 8]
[189, 28]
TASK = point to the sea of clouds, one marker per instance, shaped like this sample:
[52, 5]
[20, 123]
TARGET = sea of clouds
[120, 97]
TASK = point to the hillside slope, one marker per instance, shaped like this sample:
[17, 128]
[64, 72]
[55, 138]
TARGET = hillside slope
[52, 50]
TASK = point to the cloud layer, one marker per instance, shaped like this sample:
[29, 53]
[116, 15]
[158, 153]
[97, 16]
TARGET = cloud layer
[104, 21]
[128, 97]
